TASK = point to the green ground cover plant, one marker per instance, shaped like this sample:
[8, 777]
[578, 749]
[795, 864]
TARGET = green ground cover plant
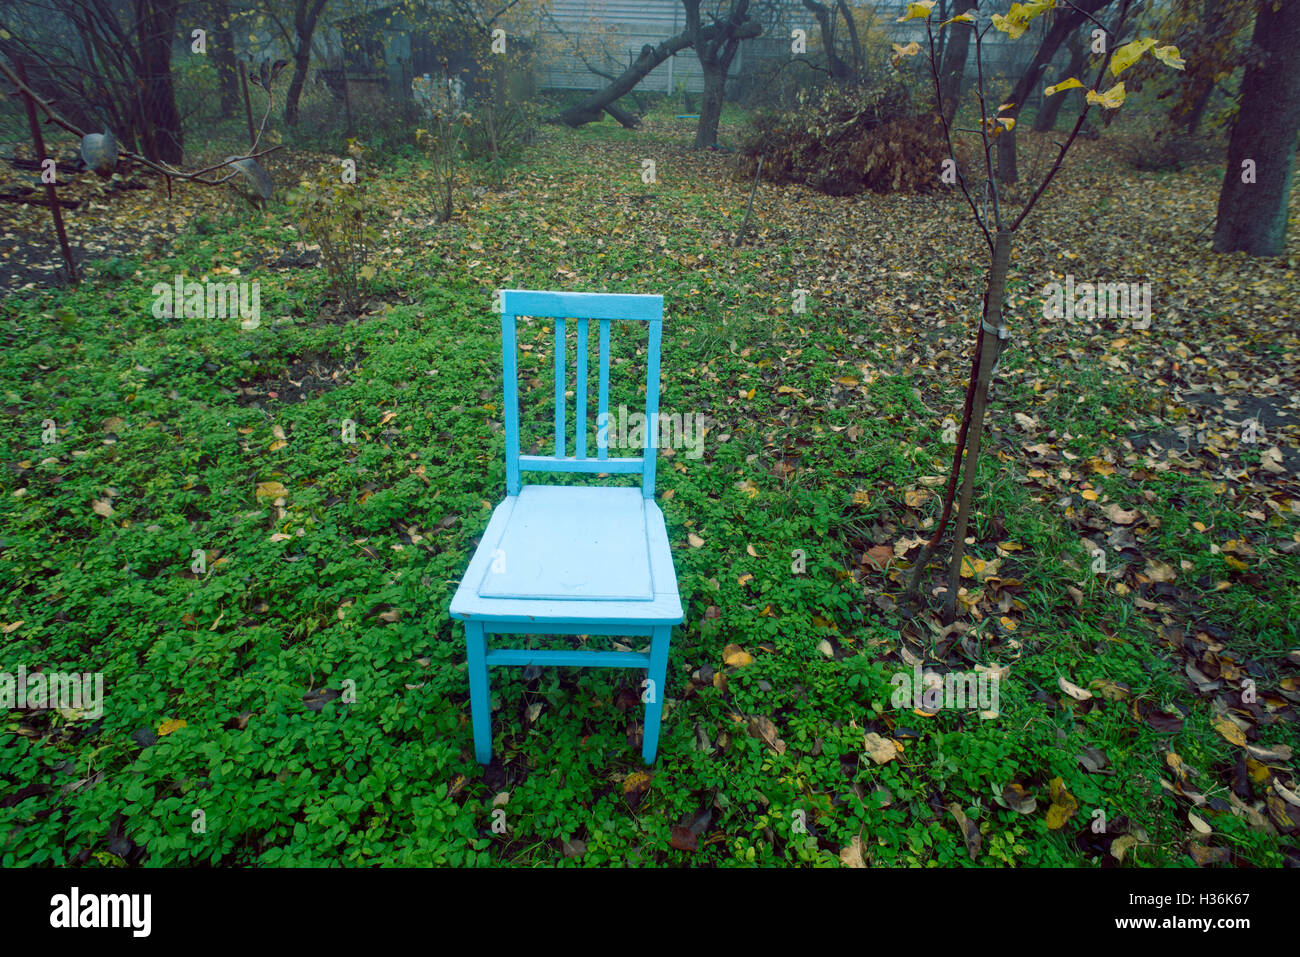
[254, 534]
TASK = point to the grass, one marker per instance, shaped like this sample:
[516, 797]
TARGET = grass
[341, 584]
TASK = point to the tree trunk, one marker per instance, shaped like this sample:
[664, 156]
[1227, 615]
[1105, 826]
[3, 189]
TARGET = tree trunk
[1065, 21]
[223, 58]
[593, 107]
[1252, 215]
[855, 44]
[715, 88]
[941, 41]
[304, 19]
[159, 118]
[990, 345]
[826, 23]
[953, 61]
[715, 53]
[1045, 121]
[1197, 112]
[629, 120]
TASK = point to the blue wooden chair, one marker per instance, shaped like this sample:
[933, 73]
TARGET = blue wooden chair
[573, 560]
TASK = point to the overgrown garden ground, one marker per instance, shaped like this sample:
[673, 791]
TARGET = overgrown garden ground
[825, 437]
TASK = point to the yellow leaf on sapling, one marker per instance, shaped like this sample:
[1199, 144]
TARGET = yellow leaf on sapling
[1129, 54]
[1112, 99]
[919, 10]
[1069, 84]
[1169, 56]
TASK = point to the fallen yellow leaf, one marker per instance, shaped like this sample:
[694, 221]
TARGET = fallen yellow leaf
[736, 656]
[1226, 727]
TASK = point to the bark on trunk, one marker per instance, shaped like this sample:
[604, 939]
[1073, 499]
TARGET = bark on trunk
[593, 107]
[1252, 215]
[715, 54]
[159, 118]
[855, 44]
[990, 345]
[952, 68]
[715, 88]
[1066, 21]
[826, 24]
[629, 120]
[1197, 112]
[304, 19]
[223, 58]
[1045, 121]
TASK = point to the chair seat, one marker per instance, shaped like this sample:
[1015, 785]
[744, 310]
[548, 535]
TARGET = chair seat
[569, 554]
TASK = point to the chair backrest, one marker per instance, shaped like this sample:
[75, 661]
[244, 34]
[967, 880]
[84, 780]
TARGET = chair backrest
[582, 307]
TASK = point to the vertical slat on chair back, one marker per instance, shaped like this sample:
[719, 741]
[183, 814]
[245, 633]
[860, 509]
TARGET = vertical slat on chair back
[583, 307]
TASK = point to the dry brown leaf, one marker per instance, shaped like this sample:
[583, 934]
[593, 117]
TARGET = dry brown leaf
[1119, 516]
[970, 832]
[880, 750]
[851, 856]
[1073, 690]
[764, 729]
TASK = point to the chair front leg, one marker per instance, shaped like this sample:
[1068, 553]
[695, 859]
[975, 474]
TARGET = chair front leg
[657, 675]
[480, 698]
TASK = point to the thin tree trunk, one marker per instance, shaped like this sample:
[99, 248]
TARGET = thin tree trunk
[953, 62]
[305, 16]
[160, 120]
[1045, 120]
[990, 345]
[1252, 215]
[749, 207]
[51, 195]
[1197, 112]
[248, 106]
[1065, 21]
[826, 23]
[855, 44]
[223, 58]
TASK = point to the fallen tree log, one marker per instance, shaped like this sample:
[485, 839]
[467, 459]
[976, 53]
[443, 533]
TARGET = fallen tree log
[590, 109]
[629, 120]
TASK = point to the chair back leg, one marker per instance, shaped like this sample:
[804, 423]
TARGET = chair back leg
[654, 707]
